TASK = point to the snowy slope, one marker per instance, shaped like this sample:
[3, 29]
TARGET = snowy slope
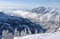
[8, 22]
[43, 20]
[55, 35]
[49, 20]
[41, 10]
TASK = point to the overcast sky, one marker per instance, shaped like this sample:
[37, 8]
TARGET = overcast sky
[29, 4]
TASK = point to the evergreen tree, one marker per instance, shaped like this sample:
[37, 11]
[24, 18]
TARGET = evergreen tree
[36, 31]
[25, 32]
[18, 33]
[15, 32]
[22, 33]
[29, 32]
[10, 36]
[5, 34]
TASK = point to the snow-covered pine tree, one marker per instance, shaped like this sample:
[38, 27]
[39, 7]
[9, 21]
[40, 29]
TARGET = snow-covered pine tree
[25, 32]
[10, 35]
[29, 32]
[18, 33]
[15, 32]
[5, 34]
[22, 33]
[36, 31]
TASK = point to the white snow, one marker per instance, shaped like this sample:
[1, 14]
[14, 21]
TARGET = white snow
[49, 21]
[55, 35]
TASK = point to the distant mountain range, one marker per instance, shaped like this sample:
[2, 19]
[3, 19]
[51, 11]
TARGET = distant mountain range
[44, 10]
[41, 19]
[49, 18]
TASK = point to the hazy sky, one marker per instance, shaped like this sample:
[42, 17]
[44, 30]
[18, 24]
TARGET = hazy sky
[29, 3]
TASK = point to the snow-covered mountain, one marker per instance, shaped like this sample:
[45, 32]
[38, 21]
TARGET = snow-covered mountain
[41, 10]
[49, 20]
[44, 10]
[8, 22]
[41, 19]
